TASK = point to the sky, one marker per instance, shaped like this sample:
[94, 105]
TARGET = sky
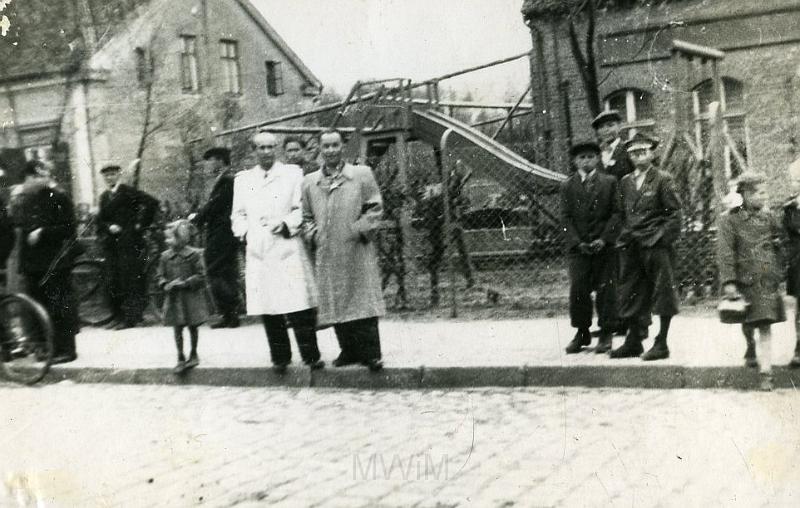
[342, 41]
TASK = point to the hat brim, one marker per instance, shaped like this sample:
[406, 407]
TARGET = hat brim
[641, 146]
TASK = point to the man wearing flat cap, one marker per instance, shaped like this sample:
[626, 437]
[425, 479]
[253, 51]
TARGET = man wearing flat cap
[125, 213]
[591, 221]
[615, 159]
[651, 221]
[222, 247]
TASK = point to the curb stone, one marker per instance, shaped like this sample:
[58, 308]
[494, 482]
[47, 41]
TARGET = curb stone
[646, 377]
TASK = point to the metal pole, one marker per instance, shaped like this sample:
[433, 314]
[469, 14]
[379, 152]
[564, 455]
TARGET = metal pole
[510, 114]
[448, 237]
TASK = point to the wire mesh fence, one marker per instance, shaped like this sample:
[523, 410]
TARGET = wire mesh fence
[464, 232]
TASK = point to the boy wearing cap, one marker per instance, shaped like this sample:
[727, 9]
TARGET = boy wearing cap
[750, 266]
[591, 221]
[222, 247]
[613, 154]
[651, 223]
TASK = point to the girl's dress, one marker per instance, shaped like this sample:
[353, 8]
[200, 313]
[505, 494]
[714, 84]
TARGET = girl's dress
[749, 255]
[187, 305]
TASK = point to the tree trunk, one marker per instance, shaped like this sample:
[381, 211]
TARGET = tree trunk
[587, 62]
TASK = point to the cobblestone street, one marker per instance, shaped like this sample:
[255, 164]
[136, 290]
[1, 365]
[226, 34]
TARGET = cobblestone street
[112, 445]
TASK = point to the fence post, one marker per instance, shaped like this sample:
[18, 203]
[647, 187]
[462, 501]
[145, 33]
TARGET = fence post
[448, 236]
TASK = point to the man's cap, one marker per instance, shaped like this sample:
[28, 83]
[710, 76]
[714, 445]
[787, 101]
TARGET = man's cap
[110, 169]
[218, 152]
[639, 141]
[748, 179]
[585, 145]
[606, 116]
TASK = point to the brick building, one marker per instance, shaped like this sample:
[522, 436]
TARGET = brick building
[86, 83]
[760, 74]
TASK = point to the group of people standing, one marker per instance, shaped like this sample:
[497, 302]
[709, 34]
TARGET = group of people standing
[310, 257]
[622, 219]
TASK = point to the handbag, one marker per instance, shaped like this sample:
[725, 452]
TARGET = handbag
[732, 310]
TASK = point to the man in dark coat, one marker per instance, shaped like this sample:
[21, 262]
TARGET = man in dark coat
[7, 237]
[791, 223]
[591, 220]
[125, 213]
[46, 218]
[222, 248]
[616, 162]
[651, 221]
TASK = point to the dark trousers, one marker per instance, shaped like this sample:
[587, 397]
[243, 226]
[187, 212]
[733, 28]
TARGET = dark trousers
[304, 323]
[127, 281]
[646, 284]
[55, 295]
[359, 340]
[587, 273]
[223, 278]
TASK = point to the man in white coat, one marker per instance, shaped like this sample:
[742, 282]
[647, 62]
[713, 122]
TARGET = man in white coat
[279, 280]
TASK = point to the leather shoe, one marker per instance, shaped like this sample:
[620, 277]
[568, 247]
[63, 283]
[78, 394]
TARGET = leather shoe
[582, 338]
[631, 348]
[223, 323]
[767, 384]
[794, 363]
[657, 352]
[603, 343]
[280, 368]
[318, 365]
[342, 361]
[192, 362]
[65, 358]
[374, 365]
[122, 326]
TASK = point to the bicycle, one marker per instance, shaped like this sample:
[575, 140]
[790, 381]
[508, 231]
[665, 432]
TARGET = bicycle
[26, 338]
[90, 284]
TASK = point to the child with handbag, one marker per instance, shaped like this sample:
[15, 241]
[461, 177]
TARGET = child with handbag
[750, 268]
[181, 274]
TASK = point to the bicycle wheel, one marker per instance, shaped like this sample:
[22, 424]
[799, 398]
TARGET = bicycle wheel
[26, 339]
[90, 289]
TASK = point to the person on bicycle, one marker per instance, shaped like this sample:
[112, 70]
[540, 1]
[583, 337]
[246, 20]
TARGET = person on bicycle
[46, 216]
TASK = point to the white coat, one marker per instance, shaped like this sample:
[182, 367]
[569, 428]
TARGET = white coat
[278, 274]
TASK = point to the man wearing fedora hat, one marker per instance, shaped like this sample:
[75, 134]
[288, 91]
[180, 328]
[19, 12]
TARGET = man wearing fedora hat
[589, 211]
[608, 125]
[651, 220]
[222, 247]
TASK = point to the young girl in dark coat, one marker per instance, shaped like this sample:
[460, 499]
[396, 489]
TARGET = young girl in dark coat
[750, 266]
[181, 274]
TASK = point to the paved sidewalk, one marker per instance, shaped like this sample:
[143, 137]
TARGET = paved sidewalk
[705, 353]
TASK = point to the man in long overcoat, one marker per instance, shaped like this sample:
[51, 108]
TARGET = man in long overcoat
[589, 211]
[342, 207]
[651, 222]
[279, 279]
[222, 247]
[45, 216]
[125, 213]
